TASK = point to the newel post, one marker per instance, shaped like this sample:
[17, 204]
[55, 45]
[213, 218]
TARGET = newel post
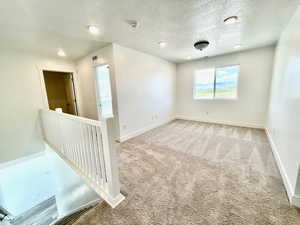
[111, 161]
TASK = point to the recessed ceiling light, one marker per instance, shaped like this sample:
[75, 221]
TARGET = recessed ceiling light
[93, 29]
[189, 57]
[61, 53]
[162, 44]
[237, 46]
[231, 20]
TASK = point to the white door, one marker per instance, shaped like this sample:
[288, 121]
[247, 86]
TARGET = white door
[103, 88]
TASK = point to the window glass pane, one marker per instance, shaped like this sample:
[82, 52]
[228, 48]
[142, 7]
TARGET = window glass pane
[204, 84]
[226, 82]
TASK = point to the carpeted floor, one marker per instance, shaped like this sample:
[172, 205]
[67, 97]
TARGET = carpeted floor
[188, 173]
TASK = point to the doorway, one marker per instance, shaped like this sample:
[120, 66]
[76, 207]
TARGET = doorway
[104, 95]
[60, 91]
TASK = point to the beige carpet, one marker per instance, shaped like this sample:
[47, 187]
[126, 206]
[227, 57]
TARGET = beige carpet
[188, 173]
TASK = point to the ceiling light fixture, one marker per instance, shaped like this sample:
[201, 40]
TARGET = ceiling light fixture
[189, 57]
[93, 29]
[61, 53]
[162, 44]
[237, 46]
[231, 20]
[200, 45]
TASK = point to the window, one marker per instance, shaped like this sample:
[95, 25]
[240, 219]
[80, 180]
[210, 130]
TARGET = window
[204, 84]
[226, 82]
[216, 83]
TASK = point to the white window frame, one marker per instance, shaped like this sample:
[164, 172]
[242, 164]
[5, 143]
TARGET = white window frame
[194, 80]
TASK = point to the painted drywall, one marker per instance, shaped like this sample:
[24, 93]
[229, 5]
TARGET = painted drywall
[41, 176]
[143, 88]
[87, 78]
[25, 183]
[21, 98]
[249, 109]
[284, 109]
[86, 74]
[146, 90]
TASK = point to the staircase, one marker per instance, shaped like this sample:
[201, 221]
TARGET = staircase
[88, 147]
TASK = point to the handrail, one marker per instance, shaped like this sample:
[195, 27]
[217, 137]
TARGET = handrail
[88, 147]
[76, 118]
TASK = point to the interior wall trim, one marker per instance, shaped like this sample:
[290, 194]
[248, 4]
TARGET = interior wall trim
[296, 201]
[284, 176]
[21, 160]
[230, 123]
[144, 129]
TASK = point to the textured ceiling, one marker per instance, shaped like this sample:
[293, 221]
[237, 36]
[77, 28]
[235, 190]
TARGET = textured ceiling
[45, 26]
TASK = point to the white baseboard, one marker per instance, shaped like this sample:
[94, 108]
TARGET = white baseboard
[286, 181]
[143, 130]
[296, 201]
[230, 123]
[21, 160]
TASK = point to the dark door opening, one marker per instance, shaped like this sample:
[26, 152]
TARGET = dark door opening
[60, 91]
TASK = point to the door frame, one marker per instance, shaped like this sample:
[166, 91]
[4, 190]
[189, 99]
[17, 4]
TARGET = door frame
[114, 92]
[99, 111]
[43, 86]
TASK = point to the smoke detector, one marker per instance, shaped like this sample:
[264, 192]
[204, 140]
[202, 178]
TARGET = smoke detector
[133, 23]
[200, 45]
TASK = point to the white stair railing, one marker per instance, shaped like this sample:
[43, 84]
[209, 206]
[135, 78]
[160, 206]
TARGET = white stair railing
[88, 147]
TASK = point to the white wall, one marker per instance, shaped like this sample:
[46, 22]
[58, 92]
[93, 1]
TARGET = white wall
[249, 109]
[30, 180]
[146, 91]
[25, 183]
[284, 110]
[143, 88]
[86, 78]
[21, 97]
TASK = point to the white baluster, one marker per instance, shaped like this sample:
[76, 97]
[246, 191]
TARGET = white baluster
[83, 149]
[91, 153]
[88, 147]
[101, 155]
[96, 157]
[87, 153]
